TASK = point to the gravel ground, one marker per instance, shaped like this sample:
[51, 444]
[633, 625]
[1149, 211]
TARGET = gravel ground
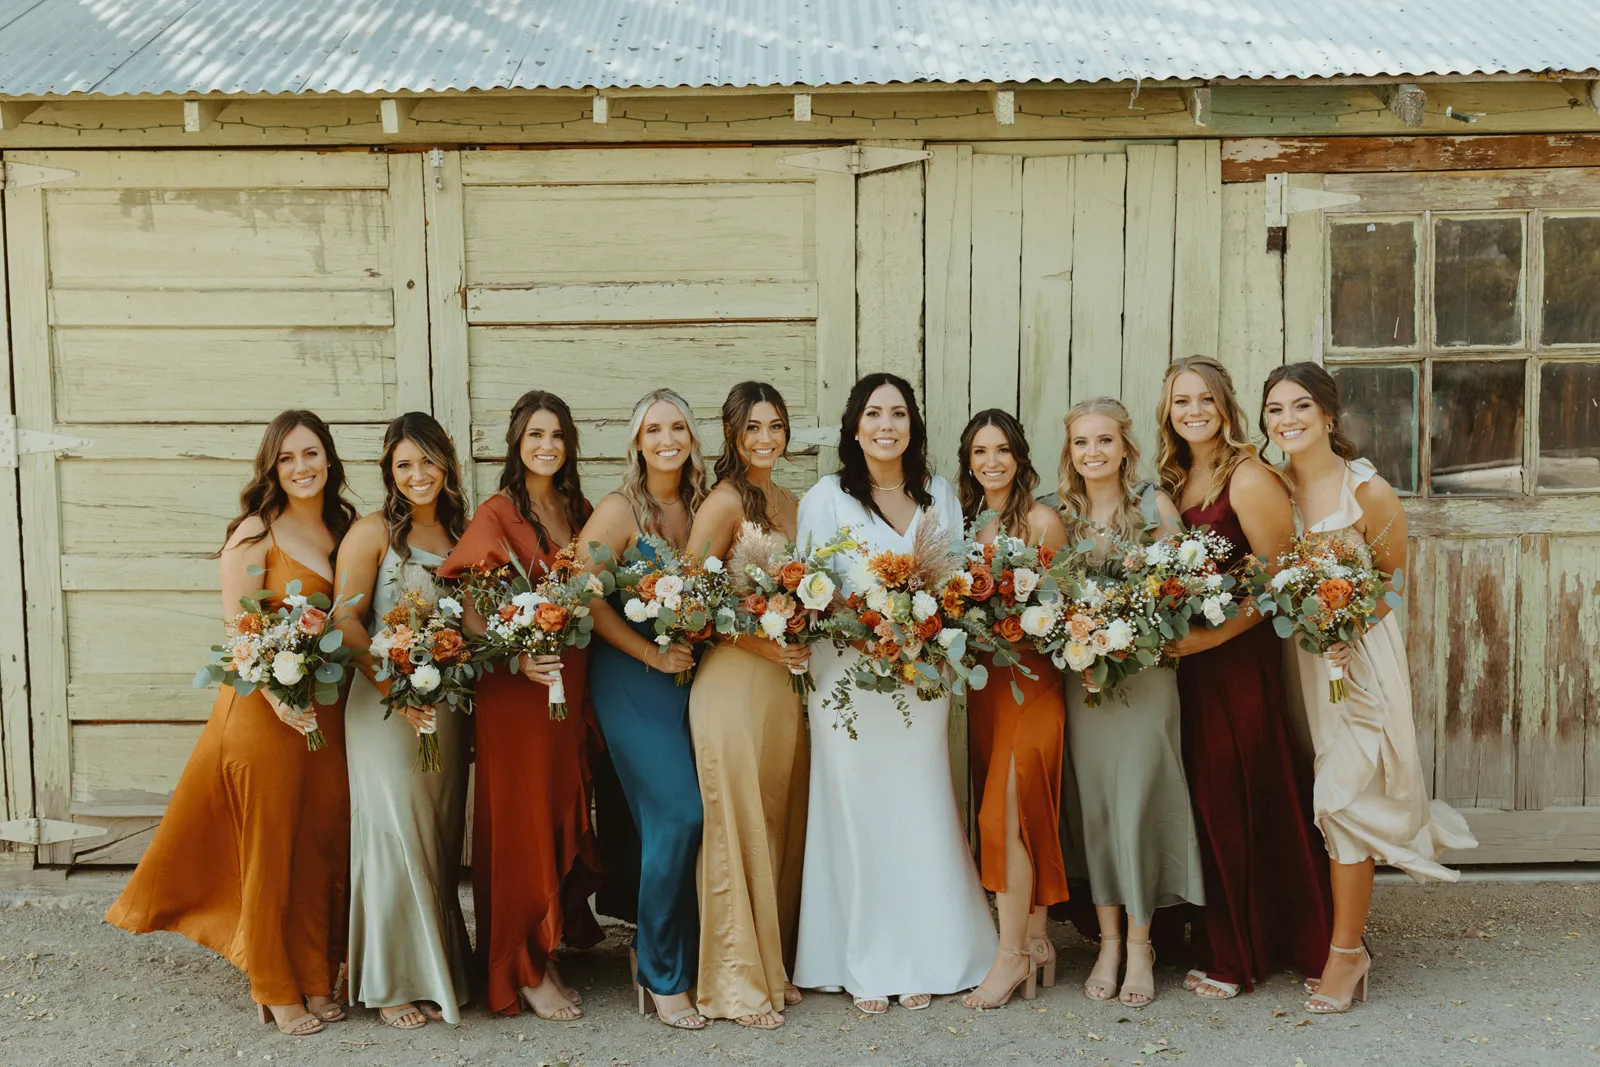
[1475, 974]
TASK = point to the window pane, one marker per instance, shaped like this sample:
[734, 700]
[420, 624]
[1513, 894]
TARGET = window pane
[1380, 416]
[1476, 427]
[1372, 284]
[1571, 267]
[1477, 265]
[1569, 426]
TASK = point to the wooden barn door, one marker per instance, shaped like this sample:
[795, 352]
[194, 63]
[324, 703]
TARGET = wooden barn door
[1460, 314]
[164, 305]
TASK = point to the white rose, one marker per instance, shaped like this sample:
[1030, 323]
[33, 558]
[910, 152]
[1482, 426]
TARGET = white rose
[773, 625]
[1079, 656]
[713, 565]
[294, 600]
[816, 592]
[1191, 553]
[857, 574]
[923, 606]
[672, 602]
[1212, 606]
[1024, 581]
[449, 607]
[1213, 581]
[288, 667]
[636, 611]
[652, 609]
[947, 635]
[426, 678]
[381, 644]
[1119, 634]
[1157, 554]
[1101, 640]
[878, 599]
[664, 640]
[255, 673]
[668, 585]
[1093, 595]
[1037, 620]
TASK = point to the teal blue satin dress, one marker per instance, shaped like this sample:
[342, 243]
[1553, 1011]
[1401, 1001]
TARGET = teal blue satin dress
[644, 716]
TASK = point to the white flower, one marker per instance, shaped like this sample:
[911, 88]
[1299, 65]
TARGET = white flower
[1213, 581]
[913, 650]
[294, 600]
[1285, 577]
[1191, 553]
[1037, 620]
[816, 591]
[526, 601]
[858, 576]
[449, 607]
[1336, 570]
[594, 586]
[1212, 606]
[1024, 581]
[878, 599]
[636, 611]
[1101, 640]
[1157, 554]
[773, 625]
[671, 602]
[1119, 634]
[668, 585]
[923, 606]
[288, 667]
[426, 678]
[1093, 595]
[947, 635]
[1079, 657]
[652, 609]
[664, 640]
[382, 642]
[713, 565]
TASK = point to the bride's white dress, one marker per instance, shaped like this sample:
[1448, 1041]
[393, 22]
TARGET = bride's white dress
[890, 902]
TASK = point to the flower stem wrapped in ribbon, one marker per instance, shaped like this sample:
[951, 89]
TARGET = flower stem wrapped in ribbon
[426, 659]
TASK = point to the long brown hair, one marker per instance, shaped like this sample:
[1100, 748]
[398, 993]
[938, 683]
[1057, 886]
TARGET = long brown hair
[1074, 492]
[422, 430]
[732, 467]
[514, 475]
[691, 476]
[263, 495]
[1173, 455]
[1324, 390]
[853, 476]
[1019, 498]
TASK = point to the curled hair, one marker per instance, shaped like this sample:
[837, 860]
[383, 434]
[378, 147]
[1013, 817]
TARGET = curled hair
[1324, 390]
[514, 476]
[422, 430]
[1173, 454]
[853, 476]
[691, 477]
[1128, 522]
[732, 466]
[263, 495]
[1019, 497]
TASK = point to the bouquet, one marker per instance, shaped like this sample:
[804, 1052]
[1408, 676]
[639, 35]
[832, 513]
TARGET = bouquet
[1106, 630]
[295, 652]
[682, 598]
[423, 655]
[782, 593]
[1181, 575]
[525, 617]
[896, 613]
[1327, 590]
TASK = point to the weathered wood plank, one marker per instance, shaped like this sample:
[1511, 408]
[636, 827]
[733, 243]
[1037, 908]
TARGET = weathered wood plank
[442, 202]
[130, 168]
[1250, 159]
[1147, 285]
[1475, 579]
[996, 281]
[1572, 669]
[948, 301]
[233, 308]
[129, 763]
[1554, 835]
[356, 442]
[1045, 379]
[124, 842]
[1503, 517]
[1303, 282]
[140, 572]
[1533, 729]
[1485, 190]
[832, 262]
[1198, 249]
[1250, 338]
[672, 301]
[408, 253]
[631, 166]
[1418, 620]
[1098, 187]
[889, 278]
[188, 622]
[94, 701]
[16, 773]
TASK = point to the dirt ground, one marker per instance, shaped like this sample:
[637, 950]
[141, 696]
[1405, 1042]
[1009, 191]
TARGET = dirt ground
[1475, 974]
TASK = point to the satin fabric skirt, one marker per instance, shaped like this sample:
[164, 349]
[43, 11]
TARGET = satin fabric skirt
[1127, 825]
[1369, 797]
[752, 755]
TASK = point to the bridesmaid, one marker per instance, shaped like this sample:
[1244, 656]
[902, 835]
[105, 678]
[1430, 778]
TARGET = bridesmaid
[642, 712]
[408, 941]
[1267, 897]
[531, 837]
[1370, 797]
[1127, 824]
[750, 745]
[1016, 749]
[250, 858]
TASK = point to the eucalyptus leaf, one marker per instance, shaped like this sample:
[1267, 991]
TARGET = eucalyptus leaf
[292, 589]
[202, 678]
[1016, 693]
[255, 570]
[926, 671]
[667, 621]
[319, 601]
[244, 688]
[330, 673]
[1146, 657]
[1393, 600]
[331, 640]
[978, 677]
[1283, 625]
[326, 694]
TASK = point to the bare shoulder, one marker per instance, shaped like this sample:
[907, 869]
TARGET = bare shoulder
[368, 533]
[1377, 493]
[1165, 506]
[723, 500]
[1254, 480]
[249, 528]
[1045, 523]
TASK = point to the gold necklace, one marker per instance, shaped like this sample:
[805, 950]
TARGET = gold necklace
[885, 488]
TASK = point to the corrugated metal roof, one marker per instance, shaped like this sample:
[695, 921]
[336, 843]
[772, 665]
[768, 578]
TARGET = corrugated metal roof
[56, 47]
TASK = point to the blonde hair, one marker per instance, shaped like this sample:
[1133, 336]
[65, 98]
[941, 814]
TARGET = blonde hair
[1074, 493]
[691, 477]
[1173, 455]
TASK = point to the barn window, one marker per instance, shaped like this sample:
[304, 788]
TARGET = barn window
[1467, 348]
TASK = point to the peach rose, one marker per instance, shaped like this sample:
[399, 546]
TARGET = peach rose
[791, 574]
[797, 622]
[982, 582]
[550, 617]
[1009, 628]
[1047, 556]
[755, 604]
[1080, 626]
[312, 620]
[929, 628]
[403, 638]
[647, 587]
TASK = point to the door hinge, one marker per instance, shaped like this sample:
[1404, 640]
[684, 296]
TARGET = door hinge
[47, 831]
[23, 175]
[855, 159]
[1284, 200]
[15, 442]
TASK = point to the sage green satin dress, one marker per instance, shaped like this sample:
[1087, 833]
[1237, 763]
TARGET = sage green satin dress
[408, 941]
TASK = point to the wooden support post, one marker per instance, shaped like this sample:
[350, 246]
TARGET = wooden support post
[1585, 94]
[12, 114]
[395, 114]
[802, 107]
[1004, 103]
[1407, 101]
[1198, 103]
[602, 109]
[199, 115]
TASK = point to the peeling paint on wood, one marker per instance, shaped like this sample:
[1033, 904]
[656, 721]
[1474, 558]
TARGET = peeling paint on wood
[1251, 159]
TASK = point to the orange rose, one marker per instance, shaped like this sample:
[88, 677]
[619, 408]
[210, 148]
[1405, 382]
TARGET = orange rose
[982, 582]
[988, 552]
[888, 648]
[448, 647]
[791, 574]
[313, 619]
[249, 624]
[871, 619]
[1335, 593]
[755, 603]
[1009, 628]
[702, 634]
[402, 663]
[646, 587]
[507, 612]
[797, 622]
[1174, 587]
[1047, 556]
[929, 628]
[550, 617]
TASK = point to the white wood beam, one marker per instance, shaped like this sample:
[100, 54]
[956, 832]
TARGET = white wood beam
[802, 107]
[1407, 101]
[12, 114]
[602, 109]
[199, 115]
[395, 114]
[1004, 104]
[1197, 102]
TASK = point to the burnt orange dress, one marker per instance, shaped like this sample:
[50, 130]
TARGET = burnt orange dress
[250, 859]
[531, 835]
[1032, 732]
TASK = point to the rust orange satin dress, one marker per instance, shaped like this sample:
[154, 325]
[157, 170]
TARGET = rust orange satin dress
[1033, 733]
[250, 859]
[531, 836]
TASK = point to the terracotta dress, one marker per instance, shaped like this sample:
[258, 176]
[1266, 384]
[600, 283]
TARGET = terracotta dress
[531, 837]
[250, 857]
[1001, 730]
[1268, 904]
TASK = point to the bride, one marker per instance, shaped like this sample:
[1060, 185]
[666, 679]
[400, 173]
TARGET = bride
[890, 900]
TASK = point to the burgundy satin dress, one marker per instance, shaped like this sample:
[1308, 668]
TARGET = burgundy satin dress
[1268, 903]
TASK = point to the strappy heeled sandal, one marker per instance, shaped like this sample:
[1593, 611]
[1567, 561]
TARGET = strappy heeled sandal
[1322, 1004]
[1043, 951]
[769, 1020]
[1108, 986]
[1146, 990]
[915, 1007]
[331, 1012]
[682, 1019]
[398, 1019]
[298, 1027]
[1224, 990]
[862, 1002]
[1030, 989]
[792, 994]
